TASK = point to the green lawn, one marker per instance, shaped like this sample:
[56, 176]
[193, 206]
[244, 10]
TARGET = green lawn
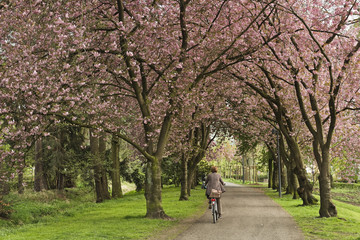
[113, 219]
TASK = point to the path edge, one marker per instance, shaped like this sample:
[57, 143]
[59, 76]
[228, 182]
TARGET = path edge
[180, 227]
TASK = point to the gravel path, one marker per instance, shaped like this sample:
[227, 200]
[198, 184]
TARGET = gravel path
[247, 214]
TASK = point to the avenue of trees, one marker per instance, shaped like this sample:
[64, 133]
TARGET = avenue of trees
[157, 83]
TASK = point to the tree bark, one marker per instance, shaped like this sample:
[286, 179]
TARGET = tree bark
[100, 188]
[270, 172]
[191, 174]
[103, 175]
[289, 189]
[200, 144]
[275, 179]
[20, 185]
[153, 190]
[60, 180]
[294, 184]
[60, 177]
[305, 188]
[94, 148]
[184, 178]
[115, 172]
[327, 208]
[4, 185]
[40, 182]
[284, 179]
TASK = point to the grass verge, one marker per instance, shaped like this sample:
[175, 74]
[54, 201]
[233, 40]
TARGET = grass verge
[113, 219]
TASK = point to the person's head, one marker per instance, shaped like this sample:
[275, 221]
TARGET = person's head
[213, 169]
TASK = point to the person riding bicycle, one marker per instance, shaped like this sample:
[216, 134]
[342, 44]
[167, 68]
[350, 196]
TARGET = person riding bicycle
[214, 181]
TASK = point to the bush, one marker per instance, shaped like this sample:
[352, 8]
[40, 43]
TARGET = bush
[346, 185]
[5, 209]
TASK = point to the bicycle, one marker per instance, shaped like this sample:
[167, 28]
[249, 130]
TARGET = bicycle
[214, 209]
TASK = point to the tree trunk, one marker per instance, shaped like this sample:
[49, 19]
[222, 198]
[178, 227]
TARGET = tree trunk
[103, 175]
[284, 179]
[275, 175]
[327, 208]
[270, 180]
[184, 178]
[40, 182]
[305, 189]
[20, 185]
[100, 187]
[154, 207]
[321, 153]
[289, 187]
[4, 185]
[20, 182]
[115, 172]
[195, 180]
[191, 174]
[94, 148]
[200, 145]
[60, 178]
[293, 182]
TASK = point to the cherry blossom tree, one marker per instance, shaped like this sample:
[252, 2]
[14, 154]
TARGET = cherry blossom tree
[120, 67]
[311, 68]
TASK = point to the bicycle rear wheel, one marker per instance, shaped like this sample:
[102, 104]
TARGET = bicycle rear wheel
[214, 212]
[214, 216]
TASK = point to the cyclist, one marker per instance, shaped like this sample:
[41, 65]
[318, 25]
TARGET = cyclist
[214, 181]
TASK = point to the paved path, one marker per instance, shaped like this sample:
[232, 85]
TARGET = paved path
[248, 214]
